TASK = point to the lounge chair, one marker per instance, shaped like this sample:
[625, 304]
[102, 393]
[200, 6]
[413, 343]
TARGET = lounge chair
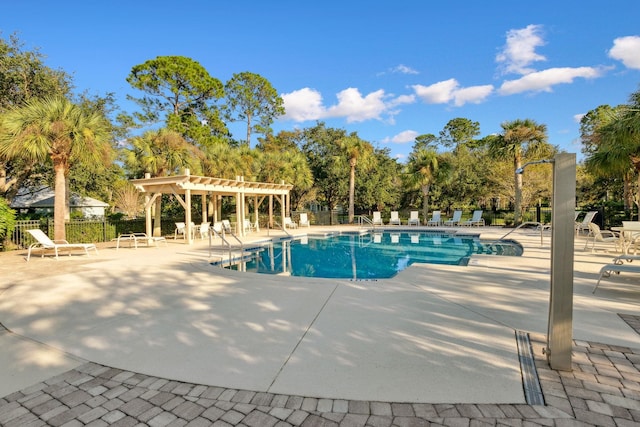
[476, 219]
[414, 218]
[395, 219]
[435, 218]
[584, 225]
[377, 218]
[226, 226]
[618, 266]
[45, 243]
[181, 230]
[455, 219]
[204, 229]
[248, 226]
[304, 220]
[288, 223]
[602, 236]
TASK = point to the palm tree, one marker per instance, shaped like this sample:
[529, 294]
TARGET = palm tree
[422, 168]
[355, 149]
[162, 152]
[518, 137]
[56, 129]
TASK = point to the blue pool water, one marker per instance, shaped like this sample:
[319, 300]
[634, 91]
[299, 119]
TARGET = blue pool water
[368, 256]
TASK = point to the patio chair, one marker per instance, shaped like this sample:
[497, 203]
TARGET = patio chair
[45, 243]
[181, 230]
[435, 218]
[584, 225]
[395, 219]
[455, 219]
[618, 266]
[304, 220]
[204, 229]
[248, 226]
[377, 218]
[476, 219]
[606, 237]
[288, 223]
[226, 226]
[414, 218]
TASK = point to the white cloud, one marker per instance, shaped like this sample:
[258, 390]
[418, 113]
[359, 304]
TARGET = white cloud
[519, 51]
[403, 69]
[450, 91]
[356, 108]
[307, 104]
[303, 104]
[472, 94]
[403, 137]
[627, 50]
[437, 93]
[543, 81]
[578, 117]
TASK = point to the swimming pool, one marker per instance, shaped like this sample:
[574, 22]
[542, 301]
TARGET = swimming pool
[368, 256]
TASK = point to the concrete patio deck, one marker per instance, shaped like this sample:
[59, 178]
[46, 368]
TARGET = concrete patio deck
[433, 339]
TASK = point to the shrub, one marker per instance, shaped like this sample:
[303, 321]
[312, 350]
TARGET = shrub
[7, 219]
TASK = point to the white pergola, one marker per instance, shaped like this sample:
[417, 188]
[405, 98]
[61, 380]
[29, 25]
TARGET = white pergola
[182, 187]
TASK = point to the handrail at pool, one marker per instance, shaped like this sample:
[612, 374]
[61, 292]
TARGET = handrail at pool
[225, 242]
[539, 225]
[362, 219]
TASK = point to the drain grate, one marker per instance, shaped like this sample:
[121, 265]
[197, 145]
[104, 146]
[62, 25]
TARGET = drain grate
[530, 381]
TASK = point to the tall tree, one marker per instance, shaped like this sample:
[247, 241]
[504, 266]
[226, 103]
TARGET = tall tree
[517, 138]
[356, 151]
[327, 163]
[54, 128]
[459, 132]
[420, 172]
[24, 76]
[599, 159]
[180, 92]
[619, 146]
[161, 152]
[252, 99]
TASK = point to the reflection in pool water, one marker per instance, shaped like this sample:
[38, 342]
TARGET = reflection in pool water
[368, 256]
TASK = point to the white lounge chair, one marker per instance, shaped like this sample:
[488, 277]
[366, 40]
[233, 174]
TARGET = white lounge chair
[304, 220]
[181, 230]
[226, 226]
[288, 223]
[377, 218]
[204, 229]
[618, 266]
[584, 225]
[395, 219]
[606, 237]
[414, 218]
[435, 218]
[455, 219]
[45, 243]
[476, 219]
[248, 226]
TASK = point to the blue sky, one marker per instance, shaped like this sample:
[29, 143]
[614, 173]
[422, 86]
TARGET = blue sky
[387, 70]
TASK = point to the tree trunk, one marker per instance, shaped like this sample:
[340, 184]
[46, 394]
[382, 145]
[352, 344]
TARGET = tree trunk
[517, 163]
[425, 203]
[59, 208]
[352, 190]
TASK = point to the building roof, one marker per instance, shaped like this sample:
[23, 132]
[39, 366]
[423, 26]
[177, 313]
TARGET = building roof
[44, 198]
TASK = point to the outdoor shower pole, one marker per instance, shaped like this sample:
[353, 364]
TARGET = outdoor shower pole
[560, 327]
